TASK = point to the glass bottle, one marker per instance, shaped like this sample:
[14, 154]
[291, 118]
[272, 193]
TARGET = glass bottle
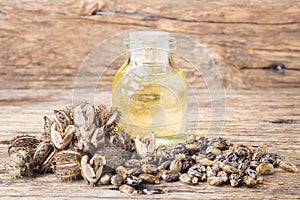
[150, 90]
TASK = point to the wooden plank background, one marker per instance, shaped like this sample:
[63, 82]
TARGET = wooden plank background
[43, 44]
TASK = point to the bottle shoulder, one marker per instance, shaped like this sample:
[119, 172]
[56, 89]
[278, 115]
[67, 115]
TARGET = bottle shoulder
[146, 75]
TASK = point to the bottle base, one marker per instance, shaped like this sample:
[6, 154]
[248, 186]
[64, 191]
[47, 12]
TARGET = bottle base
[170, 142]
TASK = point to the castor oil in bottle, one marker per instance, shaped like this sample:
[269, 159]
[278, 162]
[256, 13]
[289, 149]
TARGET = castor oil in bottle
[150, 91]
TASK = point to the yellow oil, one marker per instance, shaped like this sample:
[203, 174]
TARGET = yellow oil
[152, 100]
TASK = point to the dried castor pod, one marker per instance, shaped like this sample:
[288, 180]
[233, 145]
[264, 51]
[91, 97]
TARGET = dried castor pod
[47, 165]
[186, 178]
[101, 112]
[115, 156]
[265, 169]
[43, 154]
[121, 140]
[109, 119]
[24, 142]
[18, 164]
[145, 146]
[91, 138]
[67, 164]
[47, 127]
[91, 169]
[63, 119]
[61, 138]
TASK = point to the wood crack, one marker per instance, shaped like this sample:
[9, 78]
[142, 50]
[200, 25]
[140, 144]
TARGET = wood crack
[283, 121]
[6, 142]
[274, 67]
[151, 16]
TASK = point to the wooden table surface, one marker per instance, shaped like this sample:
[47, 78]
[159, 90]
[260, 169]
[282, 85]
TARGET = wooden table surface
[251, 117]
[43, 44]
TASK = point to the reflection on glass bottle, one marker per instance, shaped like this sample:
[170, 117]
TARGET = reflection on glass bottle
[149, 90]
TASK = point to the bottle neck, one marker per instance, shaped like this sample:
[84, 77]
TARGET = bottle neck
[149, 56]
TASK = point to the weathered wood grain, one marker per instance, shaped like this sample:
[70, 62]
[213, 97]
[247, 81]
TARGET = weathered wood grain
[252, 118]
[44, 42]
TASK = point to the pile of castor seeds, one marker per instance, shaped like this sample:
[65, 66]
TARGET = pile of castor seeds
[84, 141]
